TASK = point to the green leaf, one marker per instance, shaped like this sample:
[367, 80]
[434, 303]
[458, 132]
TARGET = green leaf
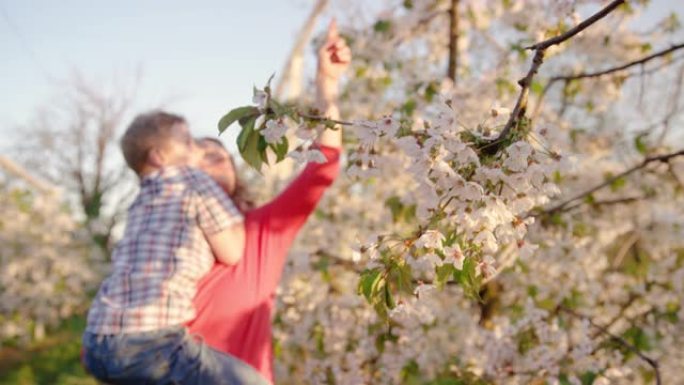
[537, 88]
[409, 107]
[588, 377]
[443, 273]
[557, 219]
[400, 212]
[640, 145]
[250, 149]
[404, 277]
[572, 88]
[638, 338]
[646, 47]
[563, 379]
[279, 109]
[618, 184]
[280, 149]
[382, 26]
[236, 114]
[504, 87]
[589, 199]
[468, 280]
[247, 124]
[431, 91]
[369, 280]
[267, 88]
[262, 145]
[389, 301]
[395, 206]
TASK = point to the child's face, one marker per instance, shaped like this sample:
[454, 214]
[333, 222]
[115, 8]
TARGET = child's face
[180, 148]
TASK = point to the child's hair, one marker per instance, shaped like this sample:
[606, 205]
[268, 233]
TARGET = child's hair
[146, 131]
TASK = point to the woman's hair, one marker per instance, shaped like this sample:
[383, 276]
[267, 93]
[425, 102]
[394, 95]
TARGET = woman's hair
[241, 196]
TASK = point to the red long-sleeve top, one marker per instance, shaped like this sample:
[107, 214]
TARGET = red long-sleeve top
[234, 303]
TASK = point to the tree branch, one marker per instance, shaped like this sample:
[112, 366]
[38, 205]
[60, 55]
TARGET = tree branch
[607, 202]
[325, 119]
[618, 68]
[585, 75]
[609, 181]
[291, 72]
[13, 168]
[578, 28]
[540, 49]
[653, 363]
[453, 40]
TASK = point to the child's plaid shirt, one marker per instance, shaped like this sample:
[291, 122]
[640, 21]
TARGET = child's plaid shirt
[163, 253]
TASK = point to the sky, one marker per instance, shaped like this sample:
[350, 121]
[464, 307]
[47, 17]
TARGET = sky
[197, 58]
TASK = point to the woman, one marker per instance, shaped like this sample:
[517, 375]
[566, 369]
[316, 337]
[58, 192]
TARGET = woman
[234, 303]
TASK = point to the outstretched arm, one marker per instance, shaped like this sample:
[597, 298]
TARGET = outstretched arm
[289, 210]
[333, 60]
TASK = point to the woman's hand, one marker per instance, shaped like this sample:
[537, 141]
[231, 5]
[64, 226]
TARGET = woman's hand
[333, 60]
[334, 57]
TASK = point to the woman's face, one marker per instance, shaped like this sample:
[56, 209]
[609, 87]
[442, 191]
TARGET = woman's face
[216, 162]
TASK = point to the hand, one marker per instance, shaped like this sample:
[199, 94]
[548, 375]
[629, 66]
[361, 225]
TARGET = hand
[334, 57]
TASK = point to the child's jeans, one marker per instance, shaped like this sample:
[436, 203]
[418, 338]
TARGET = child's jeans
[169, 356]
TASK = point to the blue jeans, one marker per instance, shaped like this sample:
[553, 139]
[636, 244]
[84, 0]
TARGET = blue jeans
[169, 356]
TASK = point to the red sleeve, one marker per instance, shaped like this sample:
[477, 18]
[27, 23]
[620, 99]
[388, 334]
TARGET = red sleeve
[288, 212]
[281, 219]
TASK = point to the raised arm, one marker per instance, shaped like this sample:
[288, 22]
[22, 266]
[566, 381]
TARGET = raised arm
[289, 210]
[333, 60]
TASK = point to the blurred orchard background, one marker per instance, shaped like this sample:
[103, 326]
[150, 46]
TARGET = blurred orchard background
[512, 206]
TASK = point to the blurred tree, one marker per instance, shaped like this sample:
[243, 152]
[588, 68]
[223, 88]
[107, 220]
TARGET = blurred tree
[49, 263]
[73, 144]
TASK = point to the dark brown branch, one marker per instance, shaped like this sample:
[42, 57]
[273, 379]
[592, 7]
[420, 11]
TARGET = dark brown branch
[632, 298]
[609, 181]
[618, 68]
[579, 27]
[653, 363]
[417, 27]
[568, 78]
[453, 40]
[540, 49]
[606, 202]
[674, 106]
[325, 119]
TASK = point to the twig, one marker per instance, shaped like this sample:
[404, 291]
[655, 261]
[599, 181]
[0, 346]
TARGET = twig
[609, 181]
[586, 75]
[618, 68]
[623, 308]
[606, 202]
[674, 106]
[624, 249]
[653, 363]
[540, 50]
[323, 118]
[578, 28]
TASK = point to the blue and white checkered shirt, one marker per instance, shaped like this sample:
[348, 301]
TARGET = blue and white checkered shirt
[163, 253]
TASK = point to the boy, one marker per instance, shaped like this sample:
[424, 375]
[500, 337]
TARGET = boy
[179, 222]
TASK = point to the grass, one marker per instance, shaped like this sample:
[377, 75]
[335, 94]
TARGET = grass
[54, 360]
